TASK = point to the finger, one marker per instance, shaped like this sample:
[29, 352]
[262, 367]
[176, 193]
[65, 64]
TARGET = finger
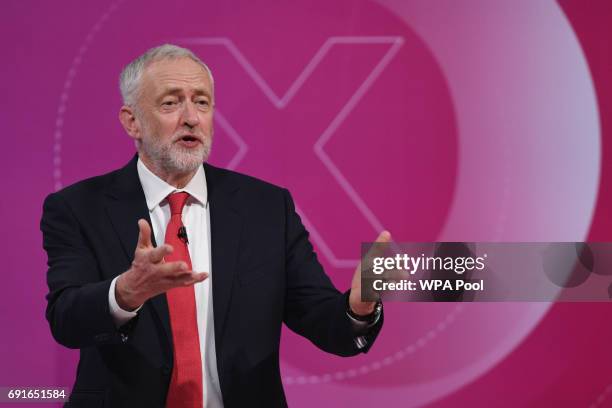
[184, 279]
[192, 278]
[144, 234]
[156, 255]
[172, 270]
[200, 276]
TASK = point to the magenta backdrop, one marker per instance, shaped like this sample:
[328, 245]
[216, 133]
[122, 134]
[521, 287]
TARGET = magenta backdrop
[446, 120]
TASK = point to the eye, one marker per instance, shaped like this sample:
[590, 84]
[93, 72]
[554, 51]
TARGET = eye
[169, 103]
[202, 102]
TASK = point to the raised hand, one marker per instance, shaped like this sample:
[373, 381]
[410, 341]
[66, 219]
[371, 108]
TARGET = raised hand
[149, 274]
[357, 306]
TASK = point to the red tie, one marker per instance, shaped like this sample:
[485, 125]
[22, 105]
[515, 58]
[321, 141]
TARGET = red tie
[186, 382]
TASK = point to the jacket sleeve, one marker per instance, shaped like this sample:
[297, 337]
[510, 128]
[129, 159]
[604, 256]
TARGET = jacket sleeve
[314, 308]
[77, 302]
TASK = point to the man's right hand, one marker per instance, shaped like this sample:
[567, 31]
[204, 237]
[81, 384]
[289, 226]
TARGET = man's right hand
[150, 275]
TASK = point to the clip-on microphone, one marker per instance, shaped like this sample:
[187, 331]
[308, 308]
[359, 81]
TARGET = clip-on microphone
[182, 234]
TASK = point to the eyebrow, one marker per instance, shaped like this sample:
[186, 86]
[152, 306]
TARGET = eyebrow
[174, 90]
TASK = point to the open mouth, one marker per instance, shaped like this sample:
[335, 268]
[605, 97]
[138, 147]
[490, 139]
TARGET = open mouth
[189, 142]
[189, 139]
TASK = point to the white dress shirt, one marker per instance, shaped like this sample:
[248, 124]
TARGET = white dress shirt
[196, 218]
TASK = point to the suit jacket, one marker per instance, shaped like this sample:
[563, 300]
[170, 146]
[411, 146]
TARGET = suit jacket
[266, 273]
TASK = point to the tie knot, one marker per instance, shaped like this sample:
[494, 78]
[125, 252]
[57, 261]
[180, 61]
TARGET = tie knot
[177, 202]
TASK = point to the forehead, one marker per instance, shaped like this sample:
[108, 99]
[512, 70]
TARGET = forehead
[181, 73]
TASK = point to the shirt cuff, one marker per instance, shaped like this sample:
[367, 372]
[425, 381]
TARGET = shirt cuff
[120, 316]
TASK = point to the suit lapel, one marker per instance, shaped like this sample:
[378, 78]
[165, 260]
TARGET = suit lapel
[226, 228]
[125, 205]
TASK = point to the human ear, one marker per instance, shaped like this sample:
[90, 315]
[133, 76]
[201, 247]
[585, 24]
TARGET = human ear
[129, 121]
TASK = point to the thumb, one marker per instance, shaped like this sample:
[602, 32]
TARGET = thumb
[374, 251]
[144, 234]
[384, 236]
[377, 250]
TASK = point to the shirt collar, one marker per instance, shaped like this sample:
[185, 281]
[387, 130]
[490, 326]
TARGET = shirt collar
[156, 189]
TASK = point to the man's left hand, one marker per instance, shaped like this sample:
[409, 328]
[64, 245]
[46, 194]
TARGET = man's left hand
[357, 306]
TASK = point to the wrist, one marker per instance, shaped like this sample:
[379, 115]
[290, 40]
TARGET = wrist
[125, 297]
[364, 309]
[368, 313]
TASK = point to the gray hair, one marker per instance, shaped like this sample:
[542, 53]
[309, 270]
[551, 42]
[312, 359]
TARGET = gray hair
[129, 80]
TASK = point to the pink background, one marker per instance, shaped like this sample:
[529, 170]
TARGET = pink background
[446, 120]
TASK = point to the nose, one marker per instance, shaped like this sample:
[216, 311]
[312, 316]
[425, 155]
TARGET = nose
[190, 114]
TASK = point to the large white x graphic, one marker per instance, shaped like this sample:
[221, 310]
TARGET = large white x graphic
[281, 102]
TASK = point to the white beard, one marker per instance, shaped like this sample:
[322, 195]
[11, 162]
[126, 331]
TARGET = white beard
[172, 158]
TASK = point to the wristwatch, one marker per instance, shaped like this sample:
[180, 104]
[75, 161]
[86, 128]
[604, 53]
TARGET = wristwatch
[369, 318]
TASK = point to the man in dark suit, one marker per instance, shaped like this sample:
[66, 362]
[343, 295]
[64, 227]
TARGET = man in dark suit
[172, 277]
